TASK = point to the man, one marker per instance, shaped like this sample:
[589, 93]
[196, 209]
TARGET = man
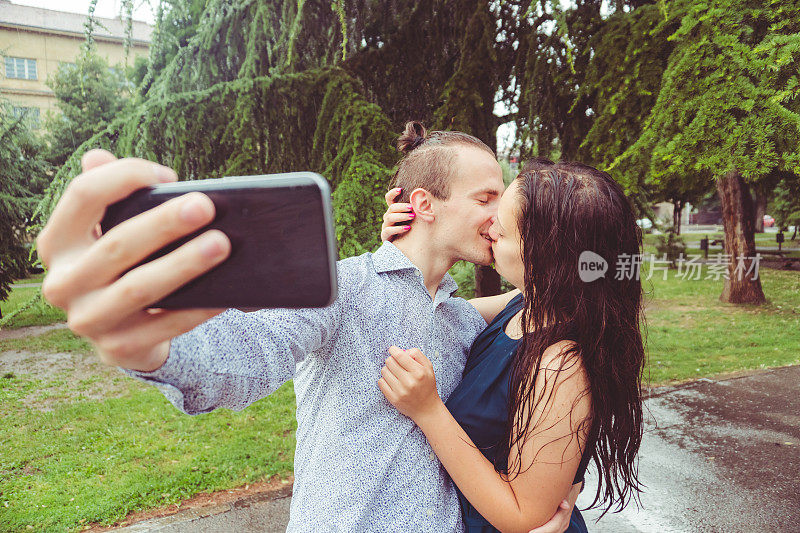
[359, 464]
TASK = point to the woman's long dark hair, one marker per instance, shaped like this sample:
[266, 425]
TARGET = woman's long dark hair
[566, 209]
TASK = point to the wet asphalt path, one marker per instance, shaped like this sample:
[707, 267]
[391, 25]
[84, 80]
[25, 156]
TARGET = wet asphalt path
[718, 456]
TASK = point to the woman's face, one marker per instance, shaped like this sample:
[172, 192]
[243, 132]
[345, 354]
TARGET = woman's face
[506, 240]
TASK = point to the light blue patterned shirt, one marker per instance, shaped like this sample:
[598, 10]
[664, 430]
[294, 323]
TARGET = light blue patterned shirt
[360, 465]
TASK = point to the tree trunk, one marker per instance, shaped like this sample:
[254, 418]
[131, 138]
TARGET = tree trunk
[737, 219]
[760, 201]
[677, 209]
[487, 281]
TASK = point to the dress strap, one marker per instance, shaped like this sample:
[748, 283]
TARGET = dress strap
[508, 311]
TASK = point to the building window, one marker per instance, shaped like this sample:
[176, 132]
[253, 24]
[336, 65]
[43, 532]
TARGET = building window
[32, 114]
[21, 69]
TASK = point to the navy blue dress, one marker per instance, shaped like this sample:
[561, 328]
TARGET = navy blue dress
[480, 404]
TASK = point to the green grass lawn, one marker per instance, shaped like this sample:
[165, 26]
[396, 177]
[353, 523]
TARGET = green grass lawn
[791, 253]
[40, 314]
[60, 340]
[86, 444]
[98, 460]
[692, 334]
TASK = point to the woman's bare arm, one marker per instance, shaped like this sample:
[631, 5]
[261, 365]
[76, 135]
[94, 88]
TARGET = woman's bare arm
[490, 306]
[550, 455]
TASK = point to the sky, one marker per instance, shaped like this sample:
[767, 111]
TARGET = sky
[142, 9]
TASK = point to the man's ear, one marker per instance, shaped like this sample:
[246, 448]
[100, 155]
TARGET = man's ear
[422, 203]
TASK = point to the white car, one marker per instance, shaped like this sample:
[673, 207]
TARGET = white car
[644, 223]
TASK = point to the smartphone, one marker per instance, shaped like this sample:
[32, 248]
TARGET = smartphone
[281, 230]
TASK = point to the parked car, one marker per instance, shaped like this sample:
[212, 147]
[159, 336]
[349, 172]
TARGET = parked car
[768, 221]
[645, 223]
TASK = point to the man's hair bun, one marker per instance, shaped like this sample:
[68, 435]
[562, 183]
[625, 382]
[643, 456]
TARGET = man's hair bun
[413, 136]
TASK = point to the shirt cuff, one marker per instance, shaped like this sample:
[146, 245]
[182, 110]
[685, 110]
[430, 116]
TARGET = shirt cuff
[169, 369]
[168, 379]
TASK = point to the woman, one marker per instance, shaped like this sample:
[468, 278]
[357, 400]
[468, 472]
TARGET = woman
[555, 379]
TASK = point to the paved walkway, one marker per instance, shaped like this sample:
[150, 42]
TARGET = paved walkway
[717, 456]
[29, 331]
[250, 514]
[25, 285]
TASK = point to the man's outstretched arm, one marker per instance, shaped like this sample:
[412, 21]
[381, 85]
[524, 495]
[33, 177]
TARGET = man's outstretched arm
[236, 358]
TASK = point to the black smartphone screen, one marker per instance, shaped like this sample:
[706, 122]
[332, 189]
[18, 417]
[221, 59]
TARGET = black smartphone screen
[281, 231]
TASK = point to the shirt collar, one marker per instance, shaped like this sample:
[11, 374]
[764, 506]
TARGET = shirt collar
[389, 258]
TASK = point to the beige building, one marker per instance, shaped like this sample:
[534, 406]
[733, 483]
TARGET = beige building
[35, 41]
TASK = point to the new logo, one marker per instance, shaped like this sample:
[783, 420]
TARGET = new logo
[591, 266]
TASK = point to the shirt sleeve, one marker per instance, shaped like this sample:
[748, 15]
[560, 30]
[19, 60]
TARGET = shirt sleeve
[239, 357]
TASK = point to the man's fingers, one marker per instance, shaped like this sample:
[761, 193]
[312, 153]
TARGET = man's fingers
[95, 158]
[146, 284]
[572, 497]
[123, 246]
[85, 200]
[559, 522]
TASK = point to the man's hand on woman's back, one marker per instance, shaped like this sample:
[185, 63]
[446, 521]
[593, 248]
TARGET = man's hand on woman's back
[86, 272]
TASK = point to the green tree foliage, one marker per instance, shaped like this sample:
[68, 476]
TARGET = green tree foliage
[667, 95]
[313, 120]
[89, 95]
[554, 52]
[623, 77]
[24, 179]
[727, 111]
[253, 87]
[722, 103]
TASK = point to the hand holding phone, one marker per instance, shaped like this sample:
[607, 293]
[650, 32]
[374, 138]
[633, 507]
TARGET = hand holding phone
[85, 271]
[103, 282]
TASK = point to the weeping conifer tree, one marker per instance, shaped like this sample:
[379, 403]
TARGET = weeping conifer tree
[248, 86]
[251, 87]
[257, 89]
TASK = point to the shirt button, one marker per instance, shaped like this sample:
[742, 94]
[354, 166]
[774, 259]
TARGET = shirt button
[432, 456]
[429, 511]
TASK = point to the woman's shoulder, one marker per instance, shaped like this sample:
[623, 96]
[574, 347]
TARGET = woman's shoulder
[564, 357]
